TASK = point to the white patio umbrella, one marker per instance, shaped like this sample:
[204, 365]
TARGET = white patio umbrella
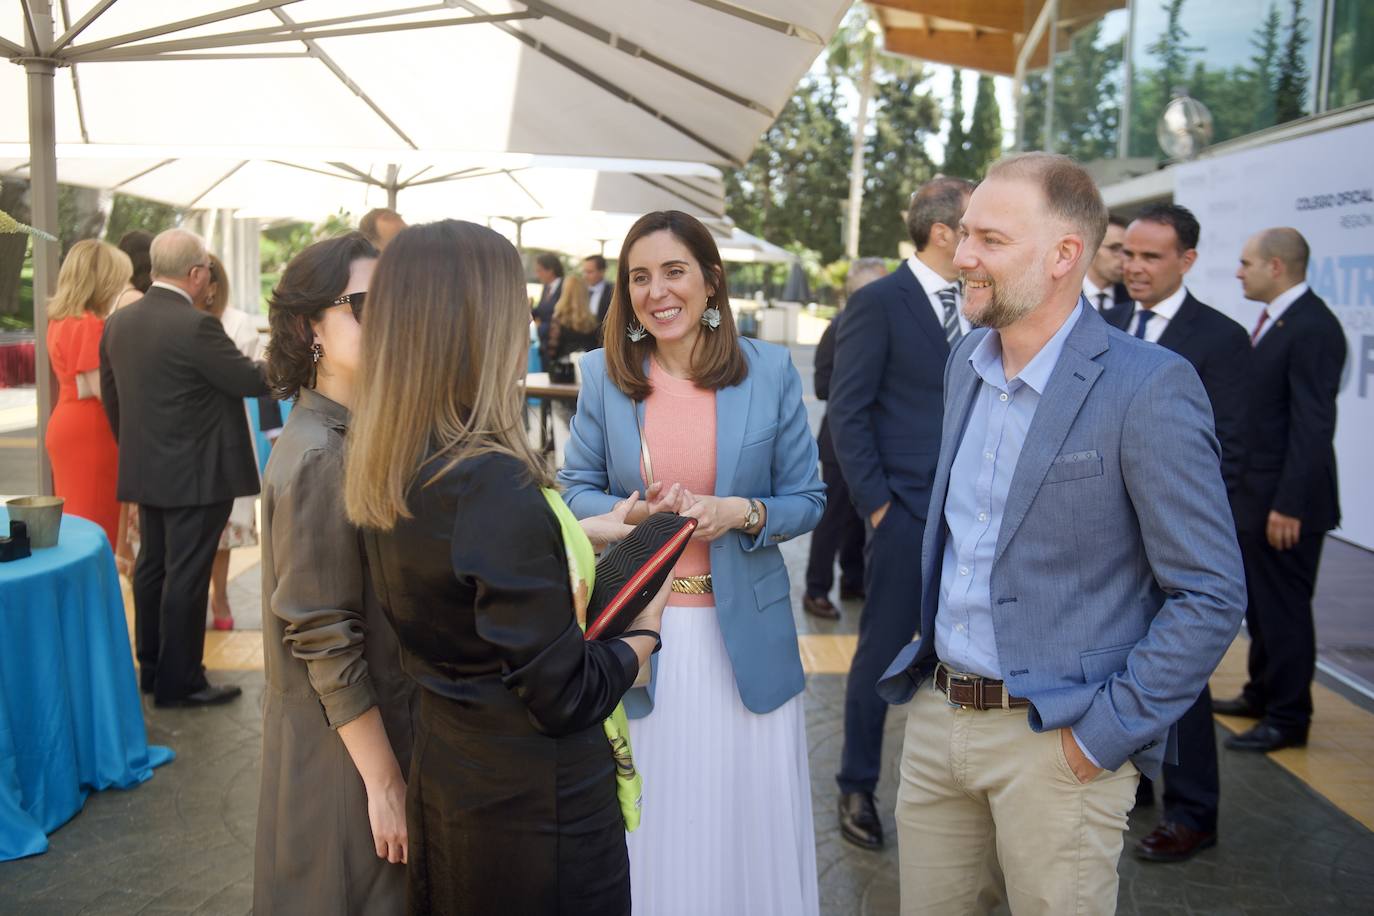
[694, 80]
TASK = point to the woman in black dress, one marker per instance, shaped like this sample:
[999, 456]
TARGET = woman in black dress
[511, 802]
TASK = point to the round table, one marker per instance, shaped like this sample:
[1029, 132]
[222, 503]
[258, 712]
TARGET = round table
[71, 721]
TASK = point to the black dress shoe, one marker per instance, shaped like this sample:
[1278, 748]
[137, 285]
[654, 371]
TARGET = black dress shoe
[1266, 737]
[852, 594]
[1173, 843]
[859, 823]
[207, 696]
[820, 606]
[1240, 706]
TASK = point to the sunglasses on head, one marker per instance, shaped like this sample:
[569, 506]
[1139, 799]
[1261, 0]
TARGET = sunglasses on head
[354, 301]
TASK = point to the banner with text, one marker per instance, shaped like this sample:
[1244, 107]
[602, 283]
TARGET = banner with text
[1321, 185]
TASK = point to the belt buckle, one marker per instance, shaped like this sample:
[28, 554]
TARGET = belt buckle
[953, 678]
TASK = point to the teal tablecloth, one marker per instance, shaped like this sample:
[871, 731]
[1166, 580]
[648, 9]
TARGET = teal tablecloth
[71, 721]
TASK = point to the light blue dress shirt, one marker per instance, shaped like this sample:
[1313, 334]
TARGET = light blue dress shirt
[979, 480]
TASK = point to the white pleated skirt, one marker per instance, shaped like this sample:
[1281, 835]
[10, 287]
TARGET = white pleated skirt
[726, 825]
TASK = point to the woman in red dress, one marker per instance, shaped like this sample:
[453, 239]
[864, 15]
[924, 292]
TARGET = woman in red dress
[80, 445]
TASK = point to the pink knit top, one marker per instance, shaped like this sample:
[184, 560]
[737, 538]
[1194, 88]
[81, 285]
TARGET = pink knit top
[680, 430]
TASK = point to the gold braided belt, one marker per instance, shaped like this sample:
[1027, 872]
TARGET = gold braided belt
[693, 585]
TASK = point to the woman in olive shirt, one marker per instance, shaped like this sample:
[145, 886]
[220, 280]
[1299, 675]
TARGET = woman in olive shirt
[338, 709]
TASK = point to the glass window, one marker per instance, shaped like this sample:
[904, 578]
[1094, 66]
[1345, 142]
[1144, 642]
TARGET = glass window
[1251, 62]
[1352, 53]
[1089, 84]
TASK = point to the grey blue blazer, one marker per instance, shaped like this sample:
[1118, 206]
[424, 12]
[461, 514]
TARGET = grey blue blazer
[1117, 582]
[764, 450]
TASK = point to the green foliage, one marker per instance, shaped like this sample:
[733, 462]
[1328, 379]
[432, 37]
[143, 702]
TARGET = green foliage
[985, 134]
[957, 160]
[897, 162]
[128, 213]
[280, 243]
[1352, 53]
[1290, 85]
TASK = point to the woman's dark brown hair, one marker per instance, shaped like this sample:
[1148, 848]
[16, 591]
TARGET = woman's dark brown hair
[717, 360]
[309, 284]
[135, 244]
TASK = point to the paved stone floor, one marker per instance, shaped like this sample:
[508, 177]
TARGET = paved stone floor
[183, 842]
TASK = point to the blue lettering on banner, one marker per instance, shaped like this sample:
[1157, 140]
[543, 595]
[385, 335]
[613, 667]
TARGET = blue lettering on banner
[1344, 280]
[1366, 363]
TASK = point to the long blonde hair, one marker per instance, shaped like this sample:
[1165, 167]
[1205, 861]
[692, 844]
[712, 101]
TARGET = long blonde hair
[573, 310]
[92, 275]
[444, 346]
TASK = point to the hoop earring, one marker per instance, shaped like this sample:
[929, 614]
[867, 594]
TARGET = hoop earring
[636, 332]
[316, 351]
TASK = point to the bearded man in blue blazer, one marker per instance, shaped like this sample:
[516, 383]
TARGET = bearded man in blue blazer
[1080, 573]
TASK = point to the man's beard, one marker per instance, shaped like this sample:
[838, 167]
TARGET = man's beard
[1010, 300]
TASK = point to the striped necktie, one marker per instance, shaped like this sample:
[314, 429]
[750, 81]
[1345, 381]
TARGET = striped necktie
[950, 321]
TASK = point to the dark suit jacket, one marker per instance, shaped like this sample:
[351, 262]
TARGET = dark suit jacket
[1295, 373]
[1219, 350]
[1118, 298]
[543, 313]
[886, 394]
[823, 367]
[601, 306]
[173, 385]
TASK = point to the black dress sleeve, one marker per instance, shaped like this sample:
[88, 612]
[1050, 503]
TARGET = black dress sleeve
[508, 547]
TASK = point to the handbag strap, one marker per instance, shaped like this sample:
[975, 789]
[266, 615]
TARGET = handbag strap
[643, 447]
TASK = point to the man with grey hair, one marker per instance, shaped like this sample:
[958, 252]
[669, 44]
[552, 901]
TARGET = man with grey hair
[885, 409]
[1080, 572]
[173, 385]
[1288, 498]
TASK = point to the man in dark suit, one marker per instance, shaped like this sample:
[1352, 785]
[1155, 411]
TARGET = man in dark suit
[548, 269]
[173, 385]
[886, 406]
[840, 529]
[600, 291]
[1159, 249]
[1102, 284]
[1288, 498]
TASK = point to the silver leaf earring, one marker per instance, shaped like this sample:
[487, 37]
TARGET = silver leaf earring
[636, 332]
[316, 351]
[711, 317]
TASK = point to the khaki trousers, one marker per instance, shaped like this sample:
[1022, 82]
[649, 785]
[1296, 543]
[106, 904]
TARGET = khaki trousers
[988, 810]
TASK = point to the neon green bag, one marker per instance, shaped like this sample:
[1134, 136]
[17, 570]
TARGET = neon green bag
[629, 786]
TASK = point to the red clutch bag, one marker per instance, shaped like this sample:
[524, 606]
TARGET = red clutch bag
[631, 573]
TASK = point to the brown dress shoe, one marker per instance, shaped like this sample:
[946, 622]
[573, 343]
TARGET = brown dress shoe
[820, 606]
[1173, 843]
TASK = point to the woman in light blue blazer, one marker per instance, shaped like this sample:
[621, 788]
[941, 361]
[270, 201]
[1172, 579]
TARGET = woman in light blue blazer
[702, 422]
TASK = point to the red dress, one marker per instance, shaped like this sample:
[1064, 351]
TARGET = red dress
[80, 445]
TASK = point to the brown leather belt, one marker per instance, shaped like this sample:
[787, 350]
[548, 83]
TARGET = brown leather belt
[972, 691]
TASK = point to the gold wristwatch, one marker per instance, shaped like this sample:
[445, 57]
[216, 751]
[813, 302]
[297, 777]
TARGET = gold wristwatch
[751, 520]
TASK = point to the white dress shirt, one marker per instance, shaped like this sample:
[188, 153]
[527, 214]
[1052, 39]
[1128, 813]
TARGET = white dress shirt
[1164, 312]
[1280, 305]
[1093, 291]
[594, 293]
[932, 283]
[176, 289]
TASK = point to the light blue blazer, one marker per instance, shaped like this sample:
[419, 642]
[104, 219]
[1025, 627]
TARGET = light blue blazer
[1117, 583]
[765, 451]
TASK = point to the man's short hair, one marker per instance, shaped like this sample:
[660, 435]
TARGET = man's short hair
[175, 251]
[940, 200]
[368, 224]
[1069, 191]
[863, 271]
[550, 262]
[1114, 220]
[597, 260]
[1180, 219]
[1288, 246]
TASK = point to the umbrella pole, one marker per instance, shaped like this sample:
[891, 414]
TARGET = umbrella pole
[393, 172]
[43, 204]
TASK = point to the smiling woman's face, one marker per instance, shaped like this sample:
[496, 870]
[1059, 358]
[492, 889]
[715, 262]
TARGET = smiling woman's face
[668, 288]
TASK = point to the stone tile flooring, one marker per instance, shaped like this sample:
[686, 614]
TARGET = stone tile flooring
[183, 842]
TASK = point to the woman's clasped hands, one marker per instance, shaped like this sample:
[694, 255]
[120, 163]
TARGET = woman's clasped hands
[715, 515]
